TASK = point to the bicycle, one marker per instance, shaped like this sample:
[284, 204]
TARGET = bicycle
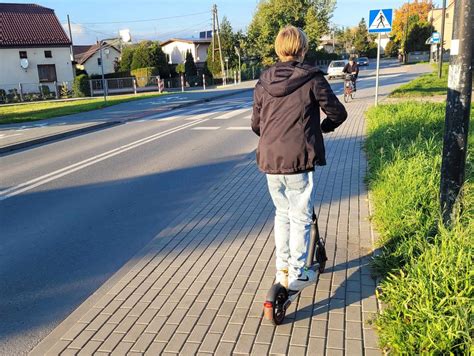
[348, 88]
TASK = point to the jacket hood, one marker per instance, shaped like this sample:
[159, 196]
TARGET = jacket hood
[284, 78]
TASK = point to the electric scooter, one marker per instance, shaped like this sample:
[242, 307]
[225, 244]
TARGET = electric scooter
[278, 297]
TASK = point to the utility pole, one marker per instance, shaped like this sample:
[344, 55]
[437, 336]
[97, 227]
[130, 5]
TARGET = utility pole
[104, 84]
[457, 109]
[215, 30]
[405, 57]
[440, 55]
[70, 47]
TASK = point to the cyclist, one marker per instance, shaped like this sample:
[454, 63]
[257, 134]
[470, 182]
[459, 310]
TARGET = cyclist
[352, 68]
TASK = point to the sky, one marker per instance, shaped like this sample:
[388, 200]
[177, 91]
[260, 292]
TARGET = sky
[163, 19]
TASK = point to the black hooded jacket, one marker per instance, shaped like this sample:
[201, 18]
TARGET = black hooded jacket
[286, 116]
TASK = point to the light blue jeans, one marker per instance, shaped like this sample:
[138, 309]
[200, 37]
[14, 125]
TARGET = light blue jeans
[293, 196]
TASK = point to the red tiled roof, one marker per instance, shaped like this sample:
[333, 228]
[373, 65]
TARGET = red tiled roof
[24, 25]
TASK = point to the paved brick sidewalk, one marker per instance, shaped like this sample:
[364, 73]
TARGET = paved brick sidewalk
[200, 285]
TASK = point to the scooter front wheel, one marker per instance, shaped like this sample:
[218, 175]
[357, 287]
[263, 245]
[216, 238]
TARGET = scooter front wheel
[274, 308]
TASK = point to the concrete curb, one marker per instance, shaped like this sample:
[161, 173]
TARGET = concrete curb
[59, 136]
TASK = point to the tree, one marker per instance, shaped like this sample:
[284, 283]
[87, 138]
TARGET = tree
[142, 56]
[214, 66]
[180, 69]
[417, 35]
[126, 58]
[312, 30]
[391, 49]
[310, 15]
[158, 59]
[361, 39]
[189, 65]
[228, 41]
[413, 12]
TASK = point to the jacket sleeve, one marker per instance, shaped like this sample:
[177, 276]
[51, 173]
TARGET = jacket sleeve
[335, 112]
[257, 106]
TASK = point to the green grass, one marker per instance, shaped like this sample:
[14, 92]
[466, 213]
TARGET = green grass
[40, 111]
[427, 269]
[425, 85]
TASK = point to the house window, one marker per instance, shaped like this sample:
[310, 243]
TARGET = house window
[48, 54]
[47, 73]
[23, 54]
[99, 62]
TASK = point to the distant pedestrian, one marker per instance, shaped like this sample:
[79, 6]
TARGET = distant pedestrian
[286, 116]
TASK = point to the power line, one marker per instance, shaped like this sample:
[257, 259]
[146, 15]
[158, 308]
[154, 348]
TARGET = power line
[147, 20]
[109, 34]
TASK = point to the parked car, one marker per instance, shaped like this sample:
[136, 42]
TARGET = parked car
[362, 61]
[335, 68]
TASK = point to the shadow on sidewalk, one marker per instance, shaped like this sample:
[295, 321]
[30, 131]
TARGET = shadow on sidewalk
[358, 286]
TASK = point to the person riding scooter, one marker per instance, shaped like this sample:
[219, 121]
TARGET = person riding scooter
[286, 116]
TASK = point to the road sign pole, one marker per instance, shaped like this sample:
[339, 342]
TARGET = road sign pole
[377, 72]
[380, 20]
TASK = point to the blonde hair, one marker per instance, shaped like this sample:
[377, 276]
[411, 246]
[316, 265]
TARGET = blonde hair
[291, 43]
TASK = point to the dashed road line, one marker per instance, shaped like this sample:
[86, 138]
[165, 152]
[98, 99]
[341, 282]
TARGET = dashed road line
[241, 128]
[203, 128]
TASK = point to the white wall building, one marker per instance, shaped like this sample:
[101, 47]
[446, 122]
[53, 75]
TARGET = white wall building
[88, 58]
[34, 49]
[176, 48]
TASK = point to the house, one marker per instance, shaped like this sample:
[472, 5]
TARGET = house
[436, 17]
[176, 48]
[88, 57]
[34, 49]
[328, 43]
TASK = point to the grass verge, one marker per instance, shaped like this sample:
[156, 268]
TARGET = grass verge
[427, 269]
[40, 111]
[425, 85]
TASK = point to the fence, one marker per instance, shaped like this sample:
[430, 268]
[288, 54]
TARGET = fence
[24, 92]
[414, 57]
[148, 84]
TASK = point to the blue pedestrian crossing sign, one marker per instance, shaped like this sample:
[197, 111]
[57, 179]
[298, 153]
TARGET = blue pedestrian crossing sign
[380, 20]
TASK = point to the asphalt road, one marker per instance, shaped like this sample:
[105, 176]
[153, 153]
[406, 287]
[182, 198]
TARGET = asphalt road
[74, 211]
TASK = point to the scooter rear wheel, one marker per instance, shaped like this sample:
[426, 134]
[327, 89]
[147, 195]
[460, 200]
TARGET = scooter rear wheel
[274, 307]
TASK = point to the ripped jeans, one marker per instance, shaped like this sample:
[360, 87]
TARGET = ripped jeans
[293, 196]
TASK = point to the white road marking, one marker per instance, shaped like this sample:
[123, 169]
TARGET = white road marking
[8, 136]
[33, 183]
[229, 114]
[206, 128]
[242, 128]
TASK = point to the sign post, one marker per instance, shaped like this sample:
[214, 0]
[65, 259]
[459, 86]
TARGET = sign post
[380, 20]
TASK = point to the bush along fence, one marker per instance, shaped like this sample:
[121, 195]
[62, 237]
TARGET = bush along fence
[24, 92]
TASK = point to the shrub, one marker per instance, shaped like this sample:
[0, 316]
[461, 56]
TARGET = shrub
[80, 86]
[143, 75]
